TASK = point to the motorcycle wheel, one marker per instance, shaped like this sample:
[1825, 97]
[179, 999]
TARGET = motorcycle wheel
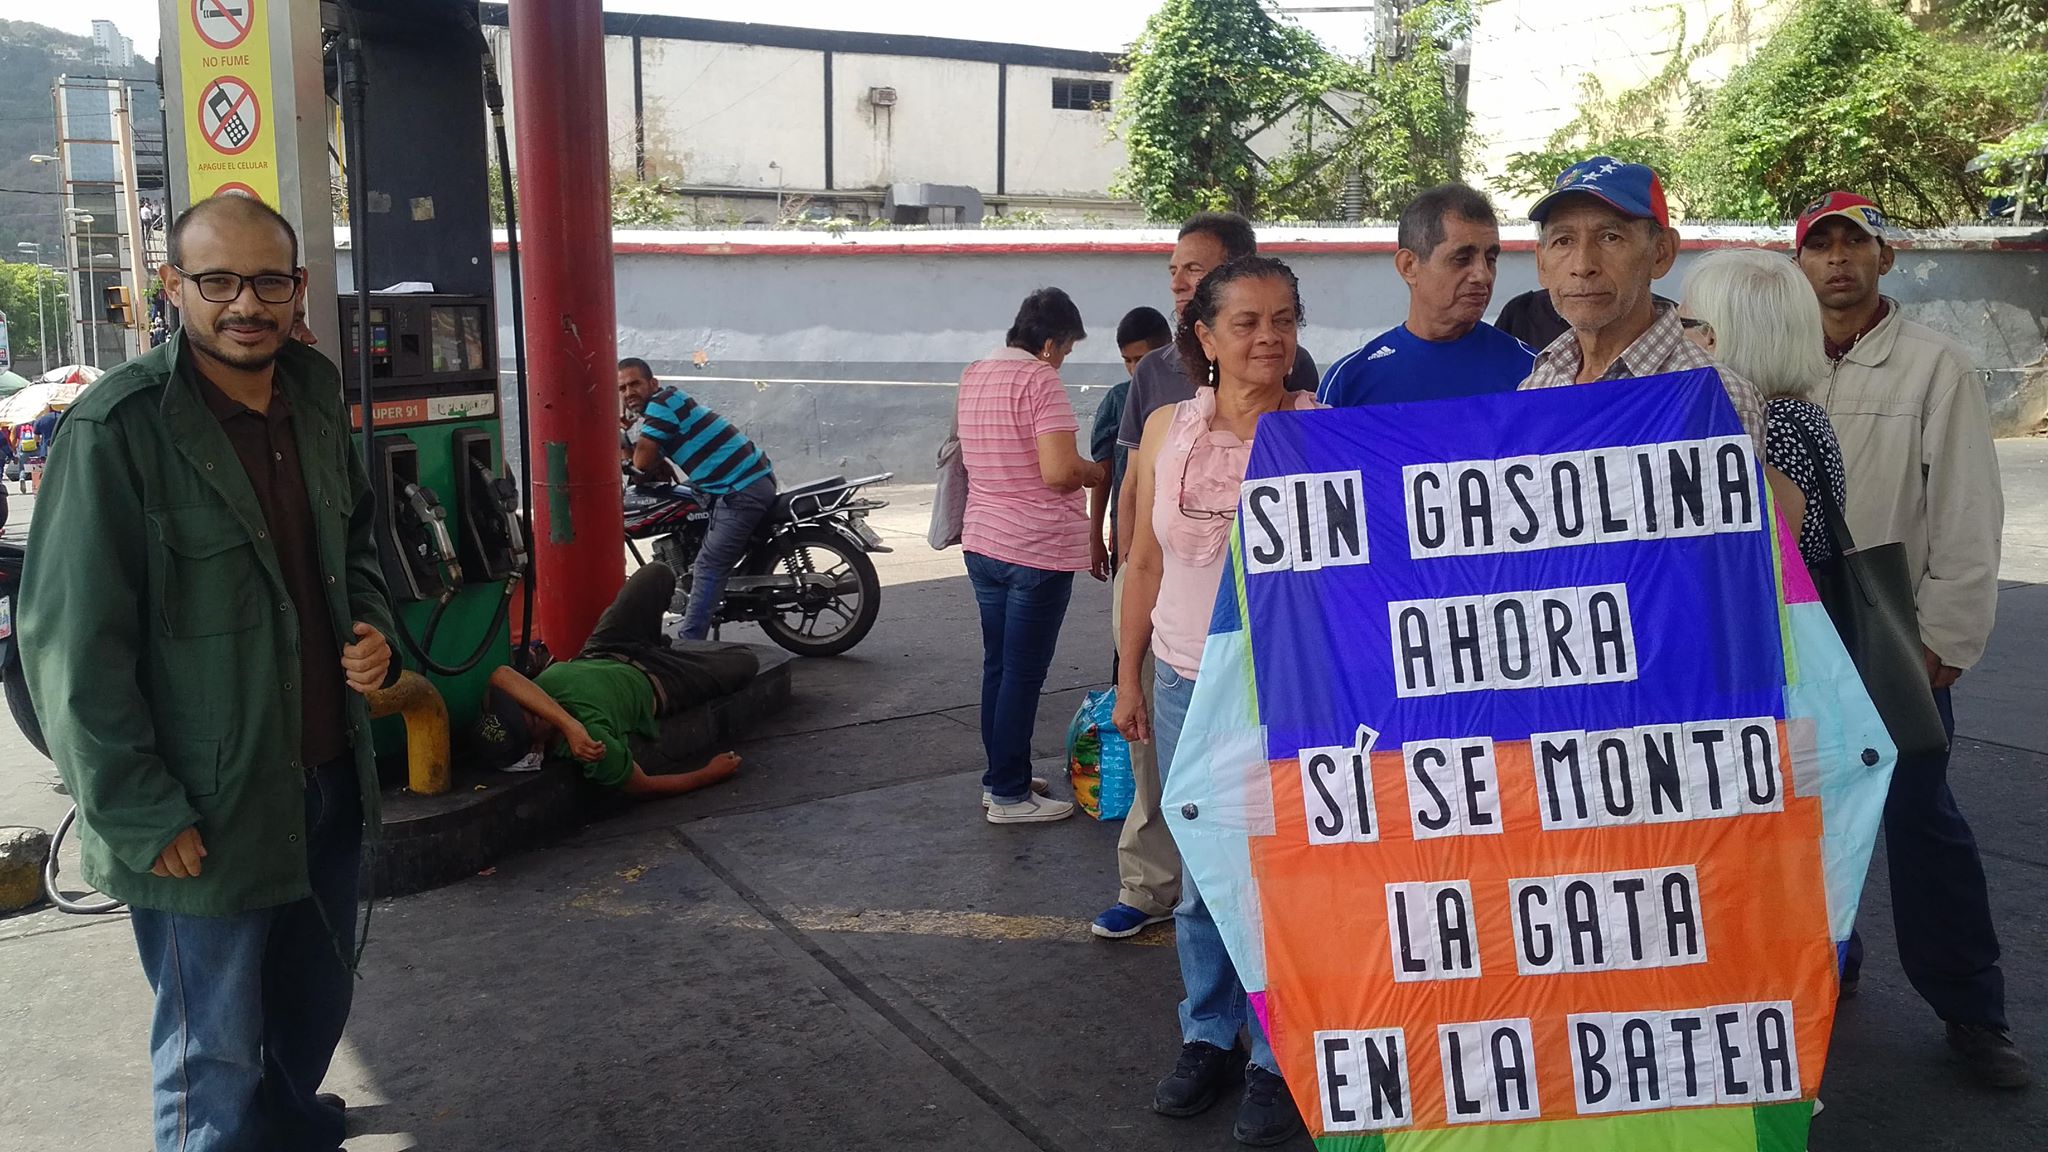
[837, 626]
[15, 686]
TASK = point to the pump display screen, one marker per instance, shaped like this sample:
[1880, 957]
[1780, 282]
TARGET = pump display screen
[458, 338]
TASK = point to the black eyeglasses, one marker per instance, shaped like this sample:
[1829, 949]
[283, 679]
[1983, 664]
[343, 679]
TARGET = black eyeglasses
[1198, 513]
[225, 287]
[1691, 322]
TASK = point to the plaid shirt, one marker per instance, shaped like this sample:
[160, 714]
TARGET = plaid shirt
[1663, 348]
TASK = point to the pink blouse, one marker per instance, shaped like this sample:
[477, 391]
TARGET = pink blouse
[1007, 402]
[1192, 547]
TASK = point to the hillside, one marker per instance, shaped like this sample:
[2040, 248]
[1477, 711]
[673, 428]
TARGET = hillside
[31, 57]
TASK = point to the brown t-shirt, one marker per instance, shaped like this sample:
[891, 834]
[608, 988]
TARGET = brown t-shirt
[269, 453]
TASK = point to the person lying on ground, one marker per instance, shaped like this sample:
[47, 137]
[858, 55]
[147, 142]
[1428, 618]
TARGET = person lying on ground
[626, 678]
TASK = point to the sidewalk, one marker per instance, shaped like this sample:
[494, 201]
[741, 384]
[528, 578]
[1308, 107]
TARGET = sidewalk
[835, 951]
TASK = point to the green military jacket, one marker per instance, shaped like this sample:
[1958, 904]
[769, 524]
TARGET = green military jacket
[160, 642]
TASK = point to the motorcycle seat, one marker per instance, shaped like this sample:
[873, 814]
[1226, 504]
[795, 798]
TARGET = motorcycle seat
[784, 498]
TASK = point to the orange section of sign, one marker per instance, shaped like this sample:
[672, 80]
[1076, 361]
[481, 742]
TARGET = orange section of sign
[1332, 949]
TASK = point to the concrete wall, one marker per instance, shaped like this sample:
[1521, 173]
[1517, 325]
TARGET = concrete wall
[715, 110]
[1058, 151]
[841, 355]
[698, 134]
[941, 129]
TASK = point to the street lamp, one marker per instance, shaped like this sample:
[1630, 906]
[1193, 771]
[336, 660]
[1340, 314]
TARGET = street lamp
[83, 267]
[42, 332]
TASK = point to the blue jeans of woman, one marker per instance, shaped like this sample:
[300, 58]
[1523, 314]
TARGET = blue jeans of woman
[1021, 613]
[250, 1007]
[1215, 1009]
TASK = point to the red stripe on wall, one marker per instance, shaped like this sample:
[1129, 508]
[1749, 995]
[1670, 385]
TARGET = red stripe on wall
[1161, 248]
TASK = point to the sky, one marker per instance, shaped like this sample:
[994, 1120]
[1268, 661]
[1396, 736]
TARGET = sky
[1102, 25]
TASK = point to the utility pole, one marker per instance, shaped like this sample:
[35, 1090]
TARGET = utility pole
[131, 217]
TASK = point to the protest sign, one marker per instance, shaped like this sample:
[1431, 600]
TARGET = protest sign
[1526, 778]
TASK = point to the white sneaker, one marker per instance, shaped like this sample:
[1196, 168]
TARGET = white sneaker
[1033, 809]
[1039, 787]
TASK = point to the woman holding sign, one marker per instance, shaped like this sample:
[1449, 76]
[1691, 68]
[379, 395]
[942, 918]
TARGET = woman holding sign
[1237, 339]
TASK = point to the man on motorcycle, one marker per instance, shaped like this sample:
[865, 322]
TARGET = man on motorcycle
[734, 477]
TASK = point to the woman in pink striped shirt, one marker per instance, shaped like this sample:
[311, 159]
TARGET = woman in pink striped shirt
[1025, 534]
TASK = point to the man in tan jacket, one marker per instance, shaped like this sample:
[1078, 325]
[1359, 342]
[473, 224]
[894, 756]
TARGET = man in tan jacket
[1916, 442]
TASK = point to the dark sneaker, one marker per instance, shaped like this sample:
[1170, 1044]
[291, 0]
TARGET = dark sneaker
[1198, 1079]
[1990, 1056]
[1852, 983]
[1267, 1115]
[1121, 922]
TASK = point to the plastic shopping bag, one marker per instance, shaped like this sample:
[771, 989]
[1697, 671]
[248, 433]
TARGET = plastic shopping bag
[1099, 759]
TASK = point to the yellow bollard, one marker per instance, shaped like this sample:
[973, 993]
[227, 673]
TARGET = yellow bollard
[426, 730]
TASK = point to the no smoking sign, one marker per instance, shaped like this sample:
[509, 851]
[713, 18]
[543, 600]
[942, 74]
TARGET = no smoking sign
[229, 116]
[223, 24]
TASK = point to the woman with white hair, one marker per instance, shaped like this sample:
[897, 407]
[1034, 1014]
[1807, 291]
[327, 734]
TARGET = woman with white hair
[1754, 312]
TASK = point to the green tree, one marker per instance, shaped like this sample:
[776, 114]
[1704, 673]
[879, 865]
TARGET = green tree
[1849, 93]
[1202, 75]
[2014, 25]
[1208, 76]
[1405, 129]
[18, 302]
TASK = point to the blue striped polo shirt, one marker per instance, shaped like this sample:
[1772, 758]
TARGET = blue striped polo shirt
[709, 450]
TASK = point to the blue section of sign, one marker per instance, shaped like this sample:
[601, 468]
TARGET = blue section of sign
[1703, 609]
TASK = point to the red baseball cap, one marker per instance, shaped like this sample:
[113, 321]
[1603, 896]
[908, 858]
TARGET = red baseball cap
[1849, 206]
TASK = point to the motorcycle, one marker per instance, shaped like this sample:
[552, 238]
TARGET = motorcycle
[12, 683]
[805, 578]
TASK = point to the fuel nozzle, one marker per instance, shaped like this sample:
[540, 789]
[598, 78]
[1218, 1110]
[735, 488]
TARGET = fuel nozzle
[423, 512]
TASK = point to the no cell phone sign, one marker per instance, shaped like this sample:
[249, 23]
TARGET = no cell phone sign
[223, 24]
[229, 116]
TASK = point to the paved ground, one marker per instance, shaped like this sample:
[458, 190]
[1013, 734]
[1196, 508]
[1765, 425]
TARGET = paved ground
[835, 951]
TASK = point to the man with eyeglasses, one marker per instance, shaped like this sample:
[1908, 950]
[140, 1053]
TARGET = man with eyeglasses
[201, 617]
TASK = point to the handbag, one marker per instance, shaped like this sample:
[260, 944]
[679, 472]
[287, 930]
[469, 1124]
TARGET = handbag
[949, 500]
[1868, 593]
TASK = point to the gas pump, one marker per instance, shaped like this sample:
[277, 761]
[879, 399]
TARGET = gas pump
[420, 360]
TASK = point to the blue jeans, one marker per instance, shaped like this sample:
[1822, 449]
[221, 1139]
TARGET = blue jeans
[734, 517]
[1215, 1010]
[250, 1007]
[1021, 613]
[1941, 911]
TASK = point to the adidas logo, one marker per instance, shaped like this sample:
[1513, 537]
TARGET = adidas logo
[1379, 354]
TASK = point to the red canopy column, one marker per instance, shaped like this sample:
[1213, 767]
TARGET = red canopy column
[564, 179]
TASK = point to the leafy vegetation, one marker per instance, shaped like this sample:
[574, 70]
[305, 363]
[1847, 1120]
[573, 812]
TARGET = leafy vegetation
[2013, 25]
[1635, 125]
[1208, 77]
[1203, 75]
[1845, 93]
[18, 303]
[1850, 93]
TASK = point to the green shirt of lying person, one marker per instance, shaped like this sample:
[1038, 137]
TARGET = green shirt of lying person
[585, 710]
[613, 701]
